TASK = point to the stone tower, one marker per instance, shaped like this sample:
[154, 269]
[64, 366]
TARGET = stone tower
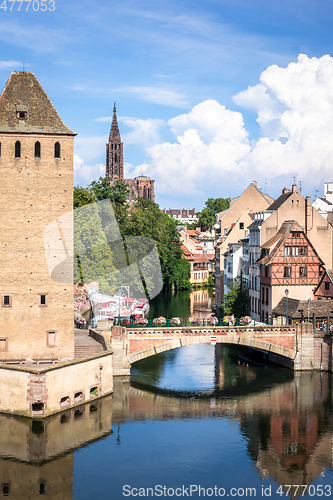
[36, 164]
[141, 186]
[114, 151]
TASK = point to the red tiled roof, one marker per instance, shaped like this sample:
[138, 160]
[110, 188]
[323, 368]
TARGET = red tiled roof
[203, 257]
[187, 254]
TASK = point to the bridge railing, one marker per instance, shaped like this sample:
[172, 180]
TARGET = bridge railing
[188, 322]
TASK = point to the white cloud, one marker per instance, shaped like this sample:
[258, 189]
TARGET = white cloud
[211, 142]
[144, 132]
[91, 148]
[158, 95]
[35, 37]
[165, 96]
[84, 174]
[10, 65]
[295, 103]
[103, 119]
[132, 171]
[211, 149]
[295, 112]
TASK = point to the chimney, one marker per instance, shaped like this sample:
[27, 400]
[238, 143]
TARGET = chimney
[308, 215]
[294, 188]
[254, 183]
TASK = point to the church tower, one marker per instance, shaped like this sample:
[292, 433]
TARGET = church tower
[36, 190]
[114, 151]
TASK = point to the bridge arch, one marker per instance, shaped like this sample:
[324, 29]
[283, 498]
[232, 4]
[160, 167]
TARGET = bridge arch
[276, 353]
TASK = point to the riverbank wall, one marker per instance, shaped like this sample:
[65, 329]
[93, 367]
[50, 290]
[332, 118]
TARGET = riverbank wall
[38, 390]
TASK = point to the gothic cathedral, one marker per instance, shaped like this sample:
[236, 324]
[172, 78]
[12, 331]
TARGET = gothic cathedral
[141, 186]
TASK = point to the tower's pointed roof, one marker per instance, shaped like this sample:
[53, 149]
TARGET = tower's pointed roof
[114, 132]
[25, 107]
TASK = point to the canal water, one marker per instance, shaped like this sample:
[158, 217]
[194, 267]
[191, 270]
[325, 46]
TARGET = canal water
[200, 421]
[183, 304]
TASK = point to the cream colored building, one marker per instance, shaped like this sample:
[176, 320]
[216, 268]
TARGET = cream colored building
[233, 226]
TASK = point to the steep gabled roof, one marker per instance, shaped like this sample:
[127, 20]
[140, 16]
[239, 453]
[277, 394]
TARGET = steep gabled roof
[24, 94]
[233, 201]
[275, 242]
[280, 200]
[329, 273]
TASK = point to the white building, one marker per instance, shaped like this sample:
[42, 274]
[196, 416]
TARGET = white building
[254, 269]
[232, 264]
[245, 261]
[324, 205]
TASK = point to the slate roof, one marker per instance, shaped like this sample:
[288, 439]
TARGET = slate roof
[23, 93]
[322, 308]
[326, 201]
[279, 201]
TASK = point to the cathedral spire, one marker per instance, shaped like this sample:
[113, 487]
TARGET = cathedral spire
[114, 132]
[114, 151]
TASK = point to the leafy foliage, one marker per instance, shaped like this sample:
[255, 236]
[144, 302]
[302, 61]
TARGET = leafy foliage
[91, 249]
[212, 207]
[83, 196]
[143, 219]
[236, 301]
[146, 219]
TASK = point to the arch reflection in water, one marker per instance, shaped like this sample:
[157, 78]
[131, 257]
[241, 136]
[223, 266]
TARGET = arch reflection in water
[241, 416]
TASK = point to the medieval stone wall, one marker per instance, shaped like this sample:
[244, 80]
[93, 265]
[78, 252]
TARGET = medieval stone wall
[34, 192]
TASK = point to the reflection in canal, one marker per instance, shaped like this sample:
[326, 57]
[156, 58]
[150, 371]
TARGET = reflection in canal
[182, 304]
[223, 416]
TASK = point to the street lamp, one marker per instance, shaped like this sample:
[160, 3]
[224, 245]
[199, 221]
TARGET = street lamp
[286, 292]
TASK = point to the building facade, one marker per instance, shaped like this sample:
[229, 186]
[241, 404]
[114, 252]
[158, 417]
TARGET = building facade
[182, 216]
[232, 225]
[288, 262]
[198, 249]
[141, 186]
[290, 206]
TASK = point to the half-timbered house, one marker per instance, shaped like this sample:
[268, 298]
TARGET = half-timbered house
[288, 261]
[324, 290]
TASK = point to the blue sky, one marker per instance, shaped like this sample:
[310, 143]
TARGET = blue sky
[210, 94]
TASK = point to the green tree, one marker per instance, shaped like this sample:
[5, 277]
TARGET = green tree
[146, 219]
[213, 206]
[83, 196]
[93, 257]
[143, 219]
[236, 301]
[117, 193]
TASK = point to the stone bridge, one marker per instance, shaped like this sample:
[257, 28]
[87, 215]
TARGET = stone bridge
[296, 347]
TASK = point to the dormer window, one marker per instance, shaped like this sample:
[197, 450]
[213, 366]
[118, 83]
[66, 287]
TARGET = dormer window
[21, 112]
